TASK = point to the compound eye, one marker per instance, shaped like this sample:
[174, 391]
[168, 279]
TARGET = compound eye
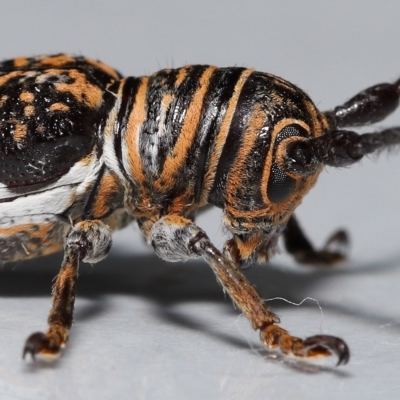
[299, 158]
[291, 157]
[280, 186]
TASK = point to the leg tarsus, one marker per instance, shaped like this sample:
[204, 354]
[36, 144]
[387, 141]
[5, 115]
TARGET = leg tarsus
[48, 345]
[34, 344]
[332, 344]
[274, 336]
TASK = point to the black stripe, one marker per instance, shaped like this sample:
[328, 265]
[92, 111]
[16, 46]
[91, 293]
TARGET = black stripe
[222, 86]
[88, 212]
[247, 98]
[220, 90]
[175, 115]
[293, 100]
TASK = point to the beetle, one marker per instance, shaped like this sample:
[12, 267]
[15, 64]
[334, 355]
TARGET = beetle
[85, 151]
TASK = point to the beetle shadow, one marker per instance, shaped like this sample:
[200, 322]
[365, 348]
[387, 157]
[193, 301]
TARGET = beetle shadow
[169, 284]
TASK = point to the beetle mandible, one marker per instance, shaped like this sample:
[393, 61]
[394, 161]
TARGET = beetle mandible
[85, 151]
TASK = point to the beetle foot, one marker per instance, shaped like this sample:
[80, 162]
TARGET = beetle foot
[273, 336]
[47, 346]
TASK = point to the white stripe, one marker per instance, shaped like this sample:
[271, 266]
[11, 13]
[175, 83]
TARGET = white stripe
[55, 198]
[110, 158]
[54, 201]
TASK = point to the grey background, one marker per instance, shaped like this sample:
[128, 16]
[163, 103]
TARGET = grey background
[145, 329]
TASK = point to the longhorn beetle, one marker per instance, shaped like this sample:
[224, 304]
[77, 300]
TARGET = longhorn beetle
[85, 151]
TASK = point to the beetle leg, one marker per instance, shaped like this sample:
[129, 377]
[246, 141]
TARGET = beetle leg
[250, 248]
[88, 241]
[175, 238]
[297, 244]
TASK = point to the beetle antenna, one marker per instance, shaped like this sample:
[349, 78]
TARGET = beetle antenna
[367, 107]
[341, 148]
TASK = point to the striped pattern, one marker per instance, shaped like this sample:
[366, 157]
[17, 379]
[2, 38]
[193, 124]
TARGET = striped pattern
[200, 134]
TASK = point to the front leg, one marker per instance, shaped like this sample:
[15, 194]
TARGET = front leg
[256, 246]
[88, 241]
[175, 238]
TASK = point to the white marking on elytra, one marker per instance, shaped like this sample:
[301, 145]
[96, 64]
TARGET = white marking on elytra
[54, 198]
[42, 78]
[53, 201]
[110, 158]
[41, 162]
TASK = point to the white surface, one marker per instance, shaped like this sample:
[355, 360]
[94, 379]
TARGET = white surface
[145, 329]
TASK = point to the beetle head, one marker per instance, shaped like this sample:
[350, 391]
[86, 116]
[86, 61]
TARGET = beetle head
[274, 164]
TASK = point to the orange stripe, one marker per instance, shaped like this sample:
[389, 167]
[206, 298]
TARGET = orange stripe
[187, 135]
[255, 124]
[27, 97]
[20, 62]
[222, 134]
[7, 77]
[181, 75]
[136, 120]
[56, 61]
